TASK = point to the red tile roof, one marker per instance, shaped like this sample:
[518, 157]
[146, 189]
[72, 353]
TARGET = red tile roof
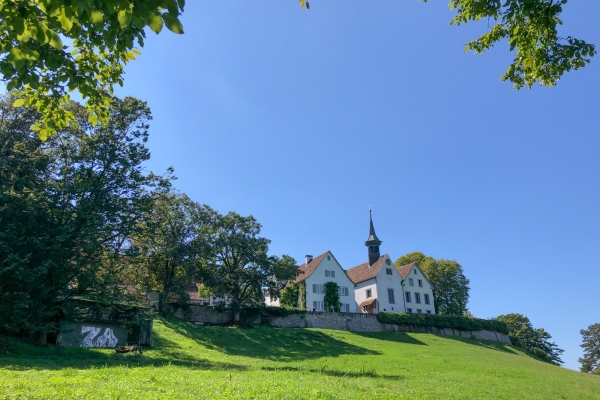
[307, 270]
[364, 272]
[405, 270]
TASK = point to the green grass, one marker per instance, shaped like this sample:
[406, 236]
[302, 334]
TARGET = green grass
[196, 362]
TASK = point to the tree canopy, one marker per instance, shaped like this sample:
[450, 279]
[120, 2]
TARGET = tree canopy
[48, 48]
[536, 341]
[450, 286]
[590, 362]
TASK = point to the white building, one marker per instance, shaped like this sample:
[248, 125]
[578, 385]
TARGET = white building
[418, 293]
[314, 274]
[379, 286]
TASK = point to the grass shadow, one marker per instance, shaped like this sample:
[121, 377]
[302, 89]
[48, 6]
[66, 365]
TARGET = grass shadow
[289, 344]
[324, 370]
[398, 337]
[488, 344]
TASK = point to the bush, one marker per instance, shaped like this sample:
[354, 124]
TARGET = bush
[443, 321]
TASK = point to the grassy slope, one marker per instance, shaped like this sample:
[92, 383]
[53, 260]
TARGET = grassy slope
[215, 362]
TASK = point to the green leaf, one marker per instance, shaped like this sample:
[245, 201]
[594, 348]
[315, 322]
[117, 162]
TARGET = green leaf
[19, 102]
[173, 23]
[65, 21]
[55, 40]
[96, 17]
[155, 22]
[18, 25]
[125, 18]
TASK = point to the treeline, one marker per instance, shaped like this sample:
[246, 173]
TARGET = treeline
[81, 217]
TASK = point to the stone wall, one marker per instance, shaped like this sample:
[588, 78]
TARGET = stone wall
[354, 322]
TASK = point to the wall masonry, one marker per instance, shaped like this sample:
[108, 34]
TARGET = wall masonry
[354, 322]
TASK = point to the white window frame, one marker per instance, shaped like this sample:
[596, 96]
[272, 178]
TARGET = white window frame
[368, 293]
[411, 282]
[426, 298]
[319, 305]
[393, 298]
[407, 297]
[419, 311]
[414, 271]
[428, 311]
[329, 274]
[388, 271]
[318, 288]
[343, 291]
[420, 282]
[409, 310]
[417, 298]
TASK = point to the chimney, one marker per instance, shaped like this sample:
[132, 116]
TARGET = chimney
[308, 259]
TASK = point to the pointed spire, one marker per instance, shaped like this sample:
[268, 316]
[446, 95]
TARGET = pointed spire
[372, 235]
[372, 242]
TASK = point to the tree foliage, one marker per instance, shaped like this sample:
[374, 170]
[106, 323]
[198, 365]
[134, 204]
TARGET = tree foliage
[450, 286]
[331, 299]
[67, 207]
[590, 362]
[239, 266]
[101, 38]
[170, 246]
[289, 296]
[536, 341]
[531, 29]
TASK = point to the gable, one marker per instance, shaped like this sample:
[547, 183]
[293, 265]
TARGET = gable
[404, 272]
[364, 271]
[306, 270]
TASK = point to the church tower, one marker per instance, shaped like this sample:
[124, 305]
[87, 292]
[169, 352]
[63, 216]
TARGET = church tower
[373, 243]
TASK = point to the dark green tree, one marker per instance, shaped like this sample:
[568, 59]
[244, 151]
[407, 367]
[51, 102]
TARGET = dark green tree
[288, 296]
[535, 341]
[590, 362]
[331, 299]
[239, 266]
[67, 209]
[171, 245]
[450, 286]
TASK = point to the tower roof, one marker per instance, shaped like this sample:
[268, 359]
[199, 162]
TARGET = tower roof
[373, 239]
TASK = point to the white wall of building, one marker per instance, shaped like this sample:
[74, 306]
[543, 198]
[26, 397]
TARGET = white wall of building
[393, 282]
[318, 277]
[360, 292]
[415, 275]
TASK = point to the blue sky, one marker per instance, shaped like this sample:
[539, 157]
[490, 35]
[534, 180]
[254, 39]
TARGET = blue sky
[305, 118]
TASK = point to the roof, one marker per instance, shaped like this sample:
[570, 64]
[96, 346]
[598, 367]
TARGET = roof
[308, 269]
[367, 302]
[405, 269]
[364, 272]
[373, 239]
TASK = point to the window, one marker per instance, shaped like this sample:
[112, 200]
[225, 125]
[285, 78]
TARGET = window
[419, 311]
[343, 291]
[408, 297]
[317, 288]
[428, 311]
[411, 282]
[420, 283]
[426, 296]
[328, 258]
[319, 305]
[345, 308]
[414, 271]
[391, 296]
[368, 293]
[409, 310]
[330, 274]
[388, 271]
[418, 298]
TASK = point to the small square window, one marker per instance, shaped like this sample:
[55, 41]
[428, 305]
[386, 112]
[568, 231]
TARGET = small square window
[388, 271]
[420, 283]
[368, 293]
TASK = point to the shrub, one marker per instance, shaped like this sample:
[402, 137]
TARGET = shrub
[443, 321]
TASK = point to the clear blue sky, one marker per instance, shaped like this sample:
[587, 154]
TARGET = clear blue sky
[305, 118]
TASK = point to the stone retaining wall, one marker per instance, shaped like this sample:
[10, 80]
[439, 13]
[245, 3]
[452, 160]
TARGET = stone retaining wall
[354, 322]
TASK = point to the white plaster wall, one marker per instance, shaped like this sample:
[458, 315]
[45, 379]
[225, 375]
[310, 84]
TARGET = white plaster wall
[270, 302]
[318, 277]
[426, 289]
[385, 282]
[360, 292]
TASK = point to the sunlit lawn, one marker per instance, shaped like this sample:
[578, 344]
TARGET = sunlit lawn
[196, 362]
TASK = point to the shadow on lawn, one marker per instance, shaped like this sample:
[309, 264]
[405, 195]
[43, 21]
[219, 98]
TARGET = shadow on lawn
[364, 373]
[482, 343]
[267, 342]
[399, 337]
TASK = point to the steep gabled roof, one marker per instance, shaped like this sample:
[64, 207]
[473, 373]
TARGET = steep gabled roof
[308, 269]
[404, 270]
[364, 272]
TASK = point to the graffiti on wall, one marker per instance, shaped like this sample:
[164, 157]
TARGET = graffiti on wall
[94, 339]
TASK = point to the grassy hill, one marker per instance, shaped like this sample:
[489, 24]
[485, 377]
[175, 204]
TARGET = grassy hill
[196, 362]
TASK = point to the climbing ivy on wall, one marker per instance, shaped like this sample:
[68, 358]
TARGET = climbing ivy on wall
[302, 295]
[332, 297]
[289, 296]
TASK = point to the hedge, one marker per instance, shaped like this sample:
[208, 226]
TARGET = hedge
[443, 321]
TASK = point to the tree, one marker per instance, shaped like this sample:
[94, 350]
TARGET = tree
[102, 36]
[67, 207]
[590, 362]
[530, 26]
[536, 341]
[239, 266]
[331, 298]
[171, 245]
[288, 296]
[450, 286]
